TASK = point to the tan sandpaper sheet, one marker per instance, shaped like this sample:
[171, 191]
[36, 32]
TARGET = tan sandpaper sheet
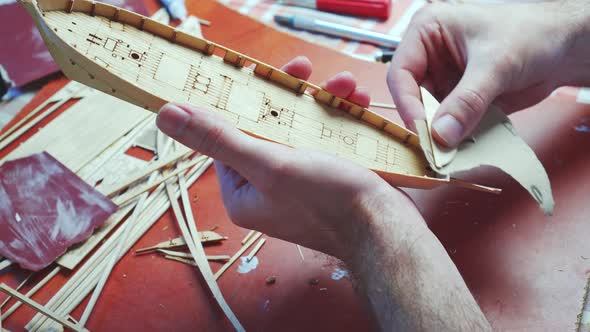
[496, 143]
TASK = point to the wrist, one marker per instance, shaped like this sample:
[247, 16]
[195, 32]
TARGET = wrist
[386, 222]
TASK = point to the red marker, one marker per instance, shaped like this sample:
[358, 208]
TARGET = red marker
[368, 8]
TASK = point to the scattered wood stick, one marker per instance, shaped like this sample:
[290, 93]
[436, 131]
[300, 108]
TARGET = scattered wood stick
[237, 255]
[190, 262]
[218, 258]
[156, 166]
[38, 307]
[20, 129]
[4, 264]
[126, 199]
[27, 117]
[196, 248]
[478, 187]
[300, 253]
[255, 249]
[248, 236]
[206, 237]
[113, 258]
[383, 105]
[204, 22]
[32, 291]
[18, 288]
[180, 254]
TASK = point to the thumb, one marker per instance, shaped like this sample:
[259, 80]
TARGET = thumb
[460, 112]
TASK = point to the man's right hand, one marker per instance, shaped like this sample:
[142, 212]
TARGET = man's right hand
[470, 56]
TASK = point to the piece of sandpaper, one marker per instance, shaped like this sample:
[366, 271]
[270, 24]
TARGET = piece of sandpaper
[494, 142]
[44, 209]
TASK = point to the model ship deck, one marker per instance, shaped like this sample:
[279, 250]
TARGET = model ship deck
[149, 64]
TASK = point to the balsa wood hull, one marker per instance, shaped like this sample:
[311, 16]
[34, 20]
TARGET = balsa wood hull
[148, 64]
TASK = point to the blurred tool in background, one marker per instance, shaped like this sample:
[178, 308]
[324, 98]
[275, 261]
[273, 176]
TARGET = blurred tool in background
[367, 8]
[339, 30]
[176, 8]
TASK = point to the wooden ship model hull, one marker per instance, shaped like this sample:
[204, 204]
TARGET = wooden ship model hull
[149, 64]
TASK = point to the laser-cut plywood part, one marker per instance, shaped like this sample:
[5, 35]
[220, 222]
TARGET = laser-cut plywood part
[147, 63]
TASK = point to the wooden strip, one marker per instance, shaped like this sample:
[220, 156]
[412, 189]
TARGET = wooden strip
[478, 187]
[24, 128]
[237, 255]
[114, 256]
[91, 167]
[9, 291]
[110, 192]
[196, 249]
[256, 249]
[126, 199]
[18, 288]
[204, 22]
[300, 252]
[219, 258]
[4, 264]
[248, 236]
[205, 237]
[27, 117]
[33, 291]
[180, 254]
[190, 262]
[383, 105]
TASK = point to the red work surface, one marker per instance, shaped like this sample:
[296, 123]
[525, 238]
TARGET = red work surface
[527, 271]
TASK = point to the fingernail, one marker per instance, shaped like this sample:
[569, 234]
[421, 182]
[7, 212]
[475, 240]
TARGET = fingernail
[449, 129]
[172, 119]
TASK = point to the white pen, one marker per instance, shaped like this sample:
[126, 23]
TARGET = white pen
[339, 30]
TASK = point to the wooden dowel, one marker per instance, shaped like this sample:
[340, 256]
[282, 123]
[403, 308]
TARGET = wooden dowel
[9, 291]
[237, 255]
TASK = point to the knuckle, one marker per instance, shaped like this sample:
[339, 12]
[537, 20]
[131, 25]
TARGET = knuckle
[473, 103]
[428, 14]
[211, 141]
[424, 15]
[506, 63]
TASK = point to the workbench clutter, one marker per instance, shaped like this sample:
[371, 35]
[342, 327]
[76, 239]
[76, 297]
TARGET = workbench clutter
[119, 176]
[49, 205]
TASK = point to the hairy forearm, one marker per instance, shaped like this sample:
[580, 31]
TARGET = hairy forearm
[409, 281]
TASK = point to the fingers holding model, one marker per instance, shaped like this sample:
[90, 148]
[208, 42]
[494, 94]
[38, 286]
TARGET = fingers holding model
[470, 56]
[298, 195]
